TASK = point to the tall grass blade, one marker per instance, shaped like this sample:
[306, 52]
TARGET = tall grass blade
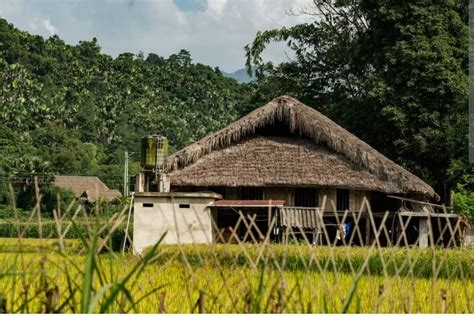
[89, 268]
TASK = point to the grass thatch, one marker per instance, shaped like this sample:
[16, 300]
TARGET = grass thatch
[278, 161]
[309, 123]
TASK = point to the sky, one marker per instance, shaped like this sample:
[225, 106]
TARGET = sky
[214, 31]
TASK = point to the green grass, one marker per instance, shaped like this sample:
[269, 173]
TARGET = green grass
[80, 229]
[446, 263]
[33, 245]
[233, 278]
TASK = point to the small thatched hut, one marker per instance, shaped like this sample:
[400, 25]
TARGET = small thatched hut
[288, 151]
[86, 188]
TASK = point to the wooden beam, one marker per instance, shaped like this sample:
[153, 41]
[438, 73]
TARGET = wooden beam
[420, 202]
[269, 217]
[421, 214]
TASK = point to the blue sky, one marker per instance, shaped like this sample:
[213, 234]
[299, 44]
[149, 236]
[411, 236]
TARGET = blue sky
[215, 31]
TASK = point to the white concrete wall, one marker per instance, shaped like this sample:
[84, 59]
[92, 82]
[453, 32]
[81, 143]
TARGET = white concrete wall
[469, 238]
[182, 225]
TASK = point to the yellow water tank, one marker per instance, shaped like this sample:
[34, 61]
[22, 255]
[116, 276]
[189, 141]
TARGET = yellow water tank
[161, 151]
[154, 151]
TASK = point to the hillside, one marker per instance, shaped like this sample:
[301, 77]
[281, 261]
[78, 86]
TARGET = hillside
[76, 110]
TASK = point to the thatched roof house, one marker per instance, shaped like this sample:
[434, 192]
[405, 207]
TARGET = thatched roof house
[288, 143]
[87, 188]
[283, 163]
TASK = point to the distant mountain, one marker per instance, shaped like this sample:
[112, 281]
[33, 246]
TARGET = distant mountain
[240, 75]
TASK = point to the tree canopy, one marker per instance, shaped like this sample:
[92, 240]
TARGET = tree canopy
[395, 73]
[74, 110]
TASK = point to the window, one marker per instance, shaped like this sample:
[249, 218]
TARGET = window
[342, 199]
[251, 193]
[147, 204]
[306, 197]
[184, 206]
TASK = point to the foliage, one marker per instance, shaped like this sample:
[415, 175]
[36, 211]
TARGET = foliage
[393, 73]
[68, 109]
[116, 206]
[345, 260]
[11, 229]
[176, 287]
[463, 202]
[6, 212]
[55, 198]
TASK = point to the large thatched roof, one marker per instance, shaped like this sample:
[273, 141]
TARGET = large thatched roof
[319, 153]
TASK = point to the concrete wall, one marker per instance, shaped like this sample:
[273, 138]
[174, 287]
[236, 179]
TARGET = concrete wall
[469, 238]
[185, 217]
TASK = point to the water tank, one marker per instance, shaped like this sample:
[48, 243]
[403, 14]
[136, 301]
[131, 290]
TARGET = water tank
[161, 151]
[154, 152]
[148, 152]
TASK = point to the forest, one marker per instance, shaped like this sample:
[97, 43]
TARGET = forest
[394, 73]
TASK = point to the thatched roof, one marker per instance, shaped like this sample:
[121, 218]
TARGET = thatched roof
[88, 188]
[319, 153]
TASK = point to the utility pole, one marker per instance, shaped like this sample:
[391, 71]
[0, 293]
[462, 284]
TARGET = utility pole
[125, 175]
[126, 179]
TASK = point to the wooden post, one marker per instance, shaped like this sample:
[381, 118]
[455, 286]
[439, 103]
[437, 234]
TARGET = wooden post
[367, 230]
[423, 230]
[58, 230]
[162, 308]
[269, 218]
[201, 303]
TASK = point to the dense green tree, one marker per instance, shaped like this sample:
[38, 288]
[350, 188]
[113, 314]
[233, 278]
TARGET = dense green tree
[68, 109]
[392, 72]
[420, 83]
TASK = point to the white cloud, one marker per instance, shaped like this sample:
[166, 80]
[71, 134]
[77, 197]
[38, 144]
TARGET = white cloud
[215, 36]
[33, 26]
[216, 7]
[49, 27]
[10, 7]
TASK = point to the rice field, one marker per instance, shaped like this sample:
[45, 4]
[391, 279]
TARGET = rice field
[36, 277]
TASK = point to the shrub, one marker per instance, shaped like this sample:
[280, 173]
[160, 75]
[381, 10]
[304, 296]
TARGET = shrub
[451, 263]
[6, 212]
[50, 195]
[10, 229]
[463, 202]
